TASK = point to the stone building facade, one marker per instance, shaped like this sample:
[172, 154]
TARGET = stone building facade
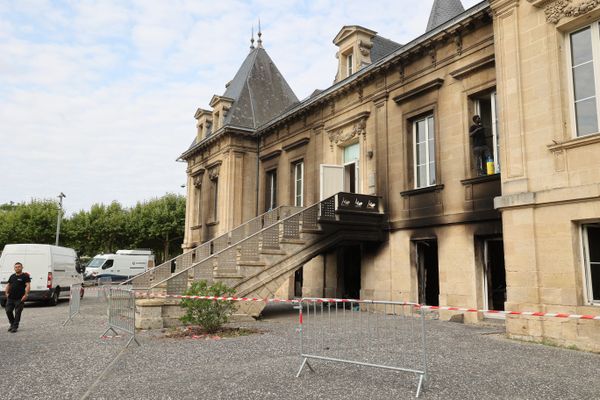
[506, 221]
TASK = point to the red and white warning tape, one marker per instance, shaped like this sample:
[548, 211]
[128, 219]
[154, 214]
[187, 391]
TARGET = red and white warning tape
[526, 313]
[325, 300]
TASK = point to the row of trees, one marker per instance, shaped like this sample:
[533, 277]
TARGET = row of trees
[156, 224]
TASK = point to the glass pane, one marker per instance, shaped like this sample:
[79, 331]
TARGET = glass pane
[351, 153]
[430, 127]
[583, 81]
[422, 176]
[432, 173]
[421, 131]
[595, 277]
[594, 243]
[585, 114]
[431, 143]
[581, 46]
[421, 156]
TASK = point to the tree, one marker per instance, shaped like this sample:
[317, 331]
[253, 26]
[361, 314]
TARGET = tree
[33, 222]
[159, 222]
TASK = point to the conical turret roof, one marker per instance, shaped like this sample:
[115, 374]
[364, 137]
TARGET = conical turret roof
[442, 11]
[259, 92]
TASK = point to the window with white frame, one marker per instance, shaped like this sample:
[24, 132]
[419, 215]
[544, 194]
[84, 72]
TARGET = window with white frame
[214, 199]
[349, 64]
[271, 190]
[584, 59]
[486, 108]
[424, 151]
[591, 245]
[298, 184]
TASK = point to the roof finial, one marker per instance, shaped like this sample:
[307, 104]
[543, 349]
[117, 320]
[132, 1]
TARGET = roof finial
[252, 39]
[259, 36]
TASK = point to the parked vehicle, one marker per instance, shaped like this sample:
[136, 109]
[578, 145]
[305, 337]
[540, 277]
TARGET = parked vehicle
[52, 270]
[120, 266]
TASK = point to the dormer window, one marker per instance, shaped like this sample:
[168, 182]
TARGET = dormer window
[217, 120]
[349, 64]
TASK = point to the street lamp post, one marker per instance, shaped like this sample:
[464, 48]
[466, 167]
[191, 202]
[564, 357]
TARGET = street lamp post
[59, 216]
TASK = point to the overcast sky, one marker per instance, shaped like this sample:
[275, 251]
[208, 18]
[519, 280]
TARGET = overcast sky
[97, 98]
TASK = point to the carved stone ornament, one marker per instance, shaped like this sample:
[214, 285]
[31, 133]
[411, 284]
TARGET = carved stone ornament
[349, 132]
[365, 48]
[568, 8]
[213, 173]
[197, 180]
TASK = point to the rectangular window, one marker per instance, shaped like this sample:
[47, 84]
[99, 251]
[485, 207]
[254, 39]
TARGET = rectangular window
[591, 244]
[584, 63]
[485, 107]
[424, 151]
[214, 199]
[298, 184]
[349, 61]
[271, 190]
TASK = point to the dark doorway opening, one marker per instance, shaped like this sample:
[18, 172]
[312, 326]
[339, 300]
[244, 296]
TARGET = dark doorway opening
[495, 274]
[349, 271]
[428, 272]
[298, 281]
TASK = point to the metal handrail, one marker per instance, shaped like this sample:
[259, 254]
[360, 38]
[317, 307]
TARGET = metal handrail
[279, 222]
[168, 263]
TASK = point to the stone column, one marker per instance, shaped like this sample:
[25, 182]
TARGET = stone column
[313, 277]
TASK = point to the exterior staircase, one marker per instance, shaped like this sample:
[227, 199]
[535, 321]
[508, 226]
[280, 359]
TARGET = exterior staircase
[258, 257]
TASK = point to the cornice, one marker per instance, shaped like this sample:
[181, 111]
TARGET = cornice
[268, 156]
[460, 73]
[433, 84]
[298, 143]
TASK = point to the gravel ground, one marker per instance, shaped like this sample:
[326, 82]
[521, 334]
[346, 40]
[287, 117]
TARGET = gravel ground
[465, 362]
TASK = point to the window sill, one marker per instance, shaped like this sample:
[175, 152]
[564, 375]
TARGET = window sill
[480, 179]
[428, 189]
[575, 142]
[196, 227]
[212, 223]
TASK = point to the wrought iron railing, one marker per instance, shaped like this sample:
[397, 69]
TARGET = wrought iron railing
[185, 260]
[226, 262]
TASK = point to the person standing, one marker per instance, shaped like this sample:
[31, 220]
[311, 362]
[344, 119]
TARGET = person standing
[480, 149]
[16, 292]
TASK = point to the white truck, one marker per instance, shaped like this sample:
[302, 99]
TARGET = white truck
[120, 266]
[52, 270]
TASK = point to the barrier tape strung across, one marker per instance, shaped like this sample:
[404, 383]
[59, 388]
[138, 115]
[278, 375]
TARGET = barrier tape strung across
[328, 300]
[526, 313]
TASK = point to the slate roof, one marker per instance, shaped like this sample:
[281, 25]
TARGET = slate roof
[442, 11]
[259, 92]
[382, 47]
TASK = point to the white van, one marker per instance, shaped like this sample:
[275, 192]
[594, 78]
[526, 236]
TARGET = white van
[120, 266]
[52, 270]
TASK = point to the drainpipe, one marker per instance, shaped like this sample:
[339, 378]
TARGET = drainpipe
[257, 171]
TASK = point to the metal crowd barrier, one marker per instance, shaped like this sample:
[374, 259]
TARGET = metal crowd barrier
[74, 302]
[380, 334]
[103, 284]
[121, 312]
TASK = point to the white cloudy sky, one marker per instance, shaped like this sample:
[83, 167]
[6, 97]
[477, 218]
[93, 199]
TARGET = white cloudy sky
[97, 97]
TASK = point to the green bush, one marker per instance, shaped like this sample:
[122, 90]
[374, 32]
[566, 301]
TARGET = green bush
[208, 314]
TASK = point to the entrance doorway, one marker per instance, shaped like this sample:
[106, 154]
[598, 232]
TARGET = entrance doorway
[348, 268]
[351, 157]
[428, 272]
[298, 282]
[494, 276]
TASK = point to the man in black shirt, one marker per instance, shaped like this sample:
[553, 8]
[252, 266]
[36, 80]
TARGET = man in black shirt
[480, 149]
[16, 292]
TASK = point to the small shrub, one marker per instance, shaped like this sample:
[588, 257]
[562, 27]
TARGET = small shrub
[208, 314]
